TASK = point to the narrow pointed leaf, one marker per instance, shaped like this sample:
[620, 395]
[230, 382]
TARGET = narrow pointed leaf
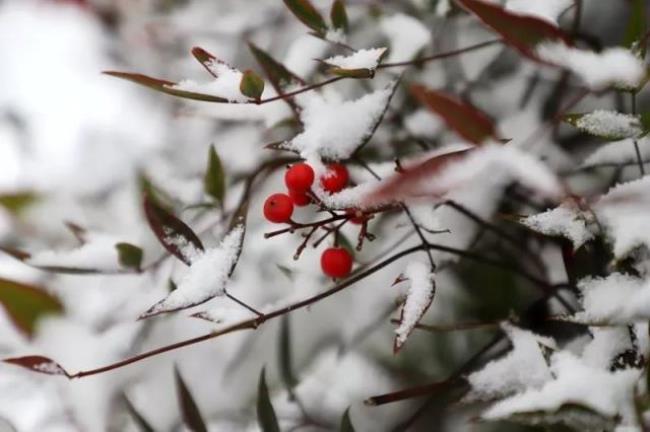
[175, 236]
[522, 32]
[214, 181]
[205, 58]
[251, 85]
[284, 352]
[352, 73]
[142, 424]
[339, 16]
[305, 11]
[239, 220]
[266, 417]
[164, 86]
[346, 423]
[637, 25]
[464, 119]
[130, 256]
[26, 304]
[38, 364]
[279, 76]
[189, 410]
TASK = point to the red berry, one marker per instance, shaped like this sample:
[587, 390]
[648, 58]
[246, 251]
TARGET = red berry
[299, 177]
[299, 198]
[278, 208]
[335, 179]
[336, 262]
[356, 216]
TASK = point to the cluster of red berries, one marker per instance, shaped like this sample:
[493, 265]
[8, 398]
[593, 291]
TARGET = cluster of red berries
[336, 262]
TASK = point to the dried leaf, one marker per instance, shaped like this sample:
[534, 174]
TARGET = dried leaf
[522, 32]
[305, 11]
[214, 181]
[26, 304]
[38, 364]
[251, 85]
[464, 119]
[175, 236]
[189, 410]
[265, 413]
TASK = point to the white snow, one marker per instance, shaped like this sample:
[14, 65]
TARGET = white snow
[336, 35]
[615, 299]
[423, 123]
[566, 221]
[610, 124]
[575, 383]
[418, 299]
[225, 85]
[333, 129]
[613, 66]
[619, 152]
[406, 35]
[97, 253]
[524, 367]
[206, 278]
[623, 211]
[548, 10]
[362, 59]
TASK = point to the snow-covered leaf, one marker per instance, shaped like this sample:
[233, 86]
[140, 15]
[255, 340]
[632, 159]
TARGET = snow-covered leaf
[38, 364]
[206, 277]
[305, 11]
[464, 119]
[610, 125]
[189, 410]
[25, 304]
[523, 32]
[173, 234]
[566, 220]
[360, 64]
[422, 288]
[266, 417]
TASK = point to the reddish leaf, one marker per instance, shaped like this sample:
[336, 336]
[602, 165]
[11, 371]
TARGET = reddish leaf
[39, 364]
[464, 119]
[26, 304]
[522, 32]
[164, 86]
[173, 234]
[205, 58]
[401, 185]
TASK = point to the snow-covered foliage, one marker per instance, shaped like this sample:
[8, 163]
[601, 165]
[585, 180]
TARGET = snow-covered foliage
[443, 203]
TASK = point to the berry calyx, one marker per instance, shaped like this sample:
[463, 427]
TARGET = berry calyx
[299, 177]
[278, 208]
[336, 262]
[299, 198]
[356, 216]
[336, 178]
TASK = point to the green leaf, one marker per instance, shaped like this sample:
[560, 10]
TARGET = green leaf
[338, 15]
[522, 32]
[284, 353]
[164, 86]
[645, 122]
[130, 256]
[636, 26]
[265, 413]
[142, 424]
[280, 77]
[352, 73]
[251, 85]
[175, 236]
[463, 118]
[189, 410]
[308, 15]
[25, 304]
[17, 202]
[346, 423]
[214, 181]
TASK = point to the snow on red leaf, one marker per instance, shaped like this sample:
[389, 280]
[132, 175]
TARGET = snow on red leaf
[38, 364]
[522, 32]
[466, 120]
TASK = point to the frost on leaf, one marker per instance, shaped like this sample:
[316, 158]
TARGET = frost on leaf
[571, 389]
[567, 221]
[406, 35]
[38, 364]
[360, 64]
[524, 367]
[334, 129]
[206, 278]
[610, 125]
[612, 66]
[623, 212]
[422, 288]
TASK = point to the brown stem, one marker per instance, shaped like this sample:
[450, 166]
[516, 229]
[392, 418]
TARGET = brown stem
[422, 60]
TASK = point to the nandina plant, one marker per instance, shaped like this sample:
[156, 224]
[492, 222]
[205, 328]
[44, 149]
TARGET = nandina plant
[437, 206]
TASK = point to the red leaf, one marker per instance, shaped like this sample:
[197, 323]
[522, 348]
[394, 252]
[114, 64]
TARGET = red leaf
[39, 364]
[463, 118]
[522, 32]
[205, 58]
[401, 185]
[175, 236]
